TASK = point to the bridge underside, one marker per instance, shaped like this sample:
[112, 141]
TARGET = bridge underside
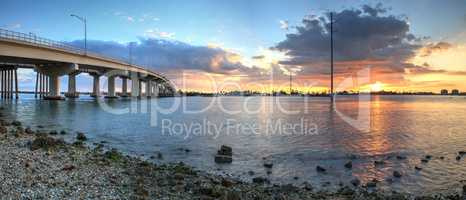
[47, 84]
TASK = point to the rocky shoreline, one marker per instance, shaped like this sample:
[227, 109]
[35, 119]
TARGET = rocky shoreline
[37, 165]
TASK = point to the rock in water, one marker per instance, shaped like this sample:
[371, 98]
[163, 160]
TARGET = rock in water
[379, 162]
[320, 169]
[355, 182]
[81, 136]
[397, 174]
[29, 130]
[417, 168]
[224, 155]
[372, 184]
[225, 150]
[16, 123]
[401, 157]
[268, 165]
[223, 159]
[349, 165]
[260, 180]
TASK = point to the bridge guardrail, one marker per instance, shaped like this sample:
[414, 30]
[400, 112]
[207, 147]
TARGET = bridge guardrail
[34, 39]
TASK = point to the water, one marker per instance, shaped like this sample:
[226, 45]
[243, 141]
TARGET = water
[413, 126]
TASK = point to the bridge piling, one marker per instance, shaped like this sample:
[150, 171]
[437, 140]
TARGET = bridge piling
[124, 86]
[72, 93]
[111, 87]
[96, 85]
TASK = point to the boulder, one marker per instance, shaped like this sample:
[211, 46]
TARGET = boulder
[355, 182]
[397, 174]
[81, 136]
[379, 162]
[268, 165]
[225, 150]
[223, 159]
[260, 180]
[16, 123]
[45, 143]
[349, 165]
[320, 169]
[399, 157]
[28, 130]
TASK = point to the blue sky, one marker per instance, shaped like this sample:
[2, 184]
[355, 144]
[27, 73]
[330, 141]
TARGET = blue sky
[237, 24]
[241, 26]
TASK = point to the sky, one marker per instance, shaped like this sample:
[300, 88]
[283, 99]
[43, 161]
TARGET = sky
[209, 45]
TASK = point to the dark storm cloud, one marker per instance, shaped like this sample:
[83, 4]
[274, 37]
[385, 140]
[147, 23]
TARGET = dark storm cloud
[359, 34]
[168, 55]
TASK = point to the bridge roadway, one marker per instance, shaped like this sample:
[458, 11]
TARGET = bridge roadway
[51, 60]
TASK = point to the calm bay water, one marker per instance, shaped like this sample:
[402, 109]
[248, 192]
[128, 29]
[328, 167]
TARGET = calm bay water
[413, 126]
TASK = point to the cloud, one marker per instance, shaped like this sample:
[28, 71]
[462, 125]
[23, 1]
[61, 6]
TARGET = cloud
[258, 57]
[12, 26]
[365, 34]
[154, 33]
[167, 55]
[284, 24]
[130, 19]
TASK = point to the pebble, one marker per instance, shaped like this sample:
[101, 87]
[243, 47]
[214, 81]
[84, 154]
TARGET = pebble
[418, 168]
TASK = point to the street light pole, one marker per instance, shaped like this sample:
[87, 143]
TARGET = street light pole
[82, 19]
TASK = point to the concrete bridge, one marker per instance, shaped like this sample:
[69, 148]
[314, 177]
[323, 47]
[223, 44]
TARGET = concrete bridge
[51, 60]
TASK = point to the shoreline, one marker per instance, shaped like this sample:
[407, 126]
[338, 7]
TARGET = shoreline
[38, 165]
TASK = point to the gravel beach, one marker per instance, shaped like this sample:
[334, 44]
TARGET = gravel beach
[35, 165]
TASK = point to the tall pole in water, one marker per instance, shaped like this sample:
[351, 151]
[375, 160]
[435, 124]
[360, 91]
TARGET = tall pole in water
[331, 56]
[291, 88]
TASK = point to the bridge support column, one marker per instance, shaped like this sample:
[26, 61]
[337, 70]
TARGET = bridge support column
[148, 88]
[135, 87]
[124, 87]
[140, 88]
[156, 89]
[95, 85]
[9, 82]
[52, 78]
[72, 93]
[54, 86]
[111, 87]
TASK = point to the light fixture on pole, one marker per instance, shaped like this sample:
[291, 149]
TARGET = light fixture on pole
[82, 19]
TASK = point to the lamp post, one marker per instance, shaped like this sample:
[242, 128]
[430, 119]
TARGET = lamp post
[82, 19]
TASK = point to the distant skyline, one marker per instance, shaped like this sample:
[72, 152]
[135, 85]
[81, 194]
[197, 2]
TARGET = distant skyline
[407, 45]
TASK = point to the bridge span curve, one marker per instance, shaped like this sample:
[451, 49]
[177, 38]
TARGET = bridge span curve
[51, 60]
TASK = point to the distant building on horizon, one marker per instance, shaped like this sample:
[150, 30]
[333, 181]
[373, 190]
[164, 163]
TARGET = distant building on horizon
[444, 92]
[455, 92]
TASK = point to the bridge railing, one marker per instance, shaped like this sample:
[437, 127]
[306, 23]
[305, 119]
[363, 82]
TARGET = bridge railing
[34, 39]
